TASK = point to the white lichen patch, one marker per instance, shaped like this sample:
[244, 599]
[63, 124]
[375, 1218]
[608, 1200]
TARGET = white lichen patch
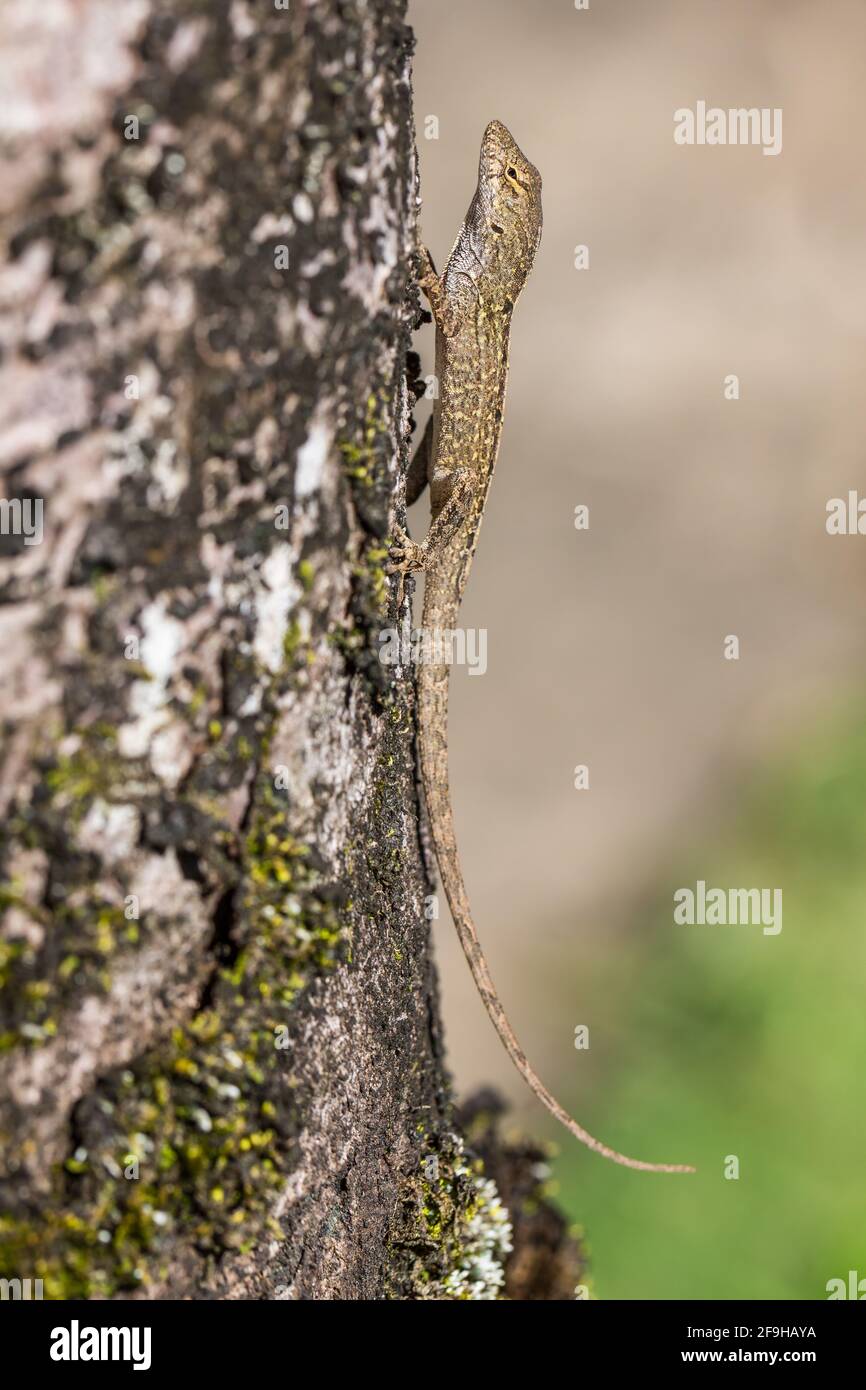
[303, 208]
[480, 1271]
[322, 260]
[272, 225]
[485, 1239]
[127, 455]
[185, 43]
[171, 755]
[277, 594]
[163, 638]
[169, 477]
[312, 457]
[242, 21]
[109, 830]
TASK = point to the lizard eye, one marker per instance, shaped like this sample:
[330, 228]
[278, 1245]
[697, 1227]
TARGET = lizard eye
[511, 176]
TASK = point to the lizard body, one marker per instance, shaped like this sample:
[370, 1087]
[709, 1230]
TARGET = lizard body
[472, 304]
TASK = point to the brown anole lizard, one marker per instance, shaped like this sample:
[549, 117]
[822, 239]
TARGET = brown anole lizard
[471, 305]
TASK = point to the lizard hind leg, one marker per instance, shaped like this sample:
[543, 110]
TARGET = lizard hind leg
[408, 556]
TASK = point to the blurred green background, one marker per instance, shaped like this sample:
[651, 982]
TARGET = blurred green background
[753, 1046]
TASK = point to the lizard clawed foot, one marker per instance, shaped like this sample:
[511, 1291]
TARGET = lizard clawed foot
[407, 558]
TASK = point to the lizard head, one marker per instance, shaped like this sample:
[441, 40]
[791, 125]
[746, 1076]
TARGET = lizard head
[509, 206]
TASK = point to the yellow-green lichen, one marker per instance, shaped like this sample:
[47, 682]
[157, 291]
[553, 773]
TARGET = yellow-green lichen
[359, 459]
[194, 1138]
[297, 929]
[90, 929]
[93, 770]
[187, 1144]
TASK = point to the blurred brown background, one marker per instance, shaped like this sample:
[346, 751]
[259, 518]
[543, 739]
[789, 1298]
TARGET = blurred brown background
[707, 517]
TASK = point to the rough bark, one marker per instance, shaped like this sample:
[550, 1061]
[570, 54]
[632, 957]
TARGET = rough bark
[222, 1071]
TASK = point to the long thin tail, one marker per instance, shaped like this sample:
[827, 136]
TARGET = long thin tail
[434, 766]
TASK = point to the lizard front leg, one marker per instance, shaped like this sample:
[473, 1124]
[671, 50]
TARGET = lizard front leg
[429, 281]
[446, 316]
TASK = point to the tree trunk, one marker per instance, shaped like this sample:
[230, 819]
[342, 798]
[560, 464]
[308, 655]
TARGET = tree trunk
[222, 1069]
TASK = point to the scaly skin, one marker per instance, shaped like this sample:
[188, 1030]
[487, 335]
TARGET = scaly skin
[472, 305]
